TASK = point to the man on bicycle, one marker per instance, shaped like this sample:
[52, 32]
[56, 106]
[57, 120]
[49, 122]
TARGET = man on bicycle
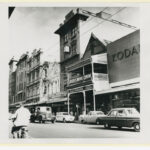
[21, 120]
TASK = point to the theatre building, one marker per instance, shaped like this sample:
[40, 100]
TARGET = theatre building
[124, 74]
[86, 76]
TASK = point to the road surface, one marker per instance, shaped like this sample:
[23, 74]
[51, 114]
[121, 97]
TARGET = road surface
[77, 130]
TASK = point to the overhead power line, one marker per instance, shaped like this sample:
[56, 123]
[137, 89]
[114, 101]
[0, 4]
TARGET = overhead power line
[95, 15]
[54, 45]
[100, 15]
[84, 33]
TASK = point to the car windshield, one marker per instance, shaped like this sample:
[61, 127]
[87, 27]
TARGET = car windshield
[100, 113]
[65, 113]
[112, 113]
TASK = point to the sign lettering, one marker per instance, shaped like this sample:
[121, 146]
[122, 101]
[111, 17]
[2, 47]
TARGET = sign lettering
[85, 77]
[135, 50]
[124, 59]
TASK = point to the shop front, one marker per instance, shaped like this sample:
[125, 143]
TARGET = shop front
[123, 57]
[58, 104]
[80, 100]
[125, 96]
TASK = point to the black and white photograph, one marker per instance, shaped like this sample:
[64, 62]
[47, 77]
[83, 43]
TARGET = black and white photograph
[74, 72]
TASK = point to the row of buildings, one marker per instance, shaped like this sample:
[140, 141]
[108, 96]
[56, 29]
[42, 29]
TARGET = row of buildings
[93, 73]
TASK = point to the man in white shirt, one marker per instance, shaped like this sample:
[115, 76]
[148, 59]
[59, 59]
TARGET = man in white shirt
[21, 120]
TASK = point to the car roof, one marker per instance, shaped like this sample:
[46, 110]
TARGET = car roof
[126, 108]
[43, 106]
[96, 111]
[62, 112]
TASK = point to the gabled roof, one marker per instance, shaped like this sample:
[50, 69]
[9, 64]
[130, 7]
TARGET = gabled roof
[89, 40]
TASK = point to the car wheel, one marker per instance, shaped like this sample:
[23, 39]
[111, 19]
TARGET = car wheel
[32, 120]
[82, 121]
[64, 120]
[119, 127]
[43, 121]
[136, 126]
[53, 121]
[97, 122]
[107, 126]
[40, 119]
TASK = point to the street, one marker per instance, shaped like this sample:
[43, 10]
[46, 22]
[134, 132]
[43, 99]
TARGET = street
[77, 130]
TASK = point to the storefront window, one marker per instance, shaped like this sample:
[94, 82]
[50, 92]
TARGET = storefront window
[137, 93]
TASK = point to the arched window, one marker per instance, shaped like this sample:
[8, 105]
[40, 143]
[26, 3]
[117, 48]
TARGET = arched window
[54, 87]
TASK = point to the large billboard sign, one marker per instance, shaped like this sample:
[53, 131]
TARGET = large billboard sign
[124, 59]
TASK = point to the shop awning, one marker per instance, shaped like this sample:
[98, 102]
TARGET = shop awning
[120, 88]
[56, 100]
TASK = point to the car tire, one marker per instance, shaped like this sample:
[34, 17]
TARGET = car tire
[43, 121]
[40, 119]
[32, 120]
[119, 127]
[82, 121]
[107, 126]
[136, 127]
[53, 121]
[64, 120]
[97, 122]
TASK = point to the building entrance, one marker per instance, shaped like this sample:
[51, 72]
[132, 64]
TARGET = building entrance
[76, 103]
[81, 103]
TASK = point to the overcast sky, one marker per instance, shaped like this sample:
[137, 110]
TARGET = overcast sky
[34, 27]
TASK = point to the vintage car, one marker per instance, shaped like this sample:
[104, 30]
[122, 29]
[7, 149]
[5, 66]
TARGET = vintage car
[64, 117]
[42, 114]
[91, 117]
[121, 117]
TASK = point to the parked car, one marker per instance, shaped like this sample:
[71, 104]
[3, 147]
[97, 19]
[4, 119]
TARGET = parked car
[122, 117]
[64, 117]
[91, 117]
[42, 114]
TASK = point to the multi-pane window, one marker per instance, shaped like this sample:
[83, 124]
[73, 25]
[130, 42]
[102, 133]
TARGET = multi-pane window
[66, 37]
[50, 89]
[37, 74]
[73, 32]
[29, 64]
[73, 47]
[45, 89]
[33, 75]
[38, 58]
[38, 92]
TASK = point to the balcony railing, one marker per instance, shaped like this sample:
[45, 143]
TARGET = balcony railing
[33, 82]
[96, 77]
[100, 76]
[79, 79]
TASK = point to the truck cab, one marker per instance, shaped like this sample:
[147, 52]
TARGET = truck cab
[42, 114]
